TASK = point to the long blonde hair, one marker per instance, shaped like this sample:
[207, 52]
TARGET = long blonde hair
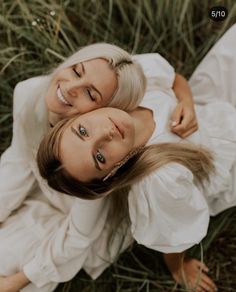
[197, 159]
[131, 79]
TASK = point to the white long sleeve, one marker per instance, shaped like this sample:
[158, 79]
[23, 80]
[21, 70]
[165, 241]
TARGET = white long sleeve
[62, 254]
[16, 178]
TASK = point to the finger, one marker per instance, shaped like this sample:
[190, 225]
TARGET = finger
[203, 266]
[189, 132]
[179, 129]
[176, 116]
[188, 121]
[209, 282]
[205, 287]
[182, 132]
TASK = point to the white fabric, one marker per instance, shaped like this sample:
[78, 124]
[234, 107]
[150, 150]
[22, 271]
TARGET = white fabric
[70, 233]
[159, 220]
[62, 227]
[168, 212]
[159, 73]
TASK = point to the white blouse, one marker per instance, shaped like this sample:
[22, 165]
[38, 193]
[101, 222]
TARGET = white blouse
[168, 212]
[65, 226]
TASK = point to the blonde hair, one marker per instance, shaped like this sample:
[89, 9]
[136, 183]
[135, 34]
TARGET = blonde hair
[131, 79]
[197, 159]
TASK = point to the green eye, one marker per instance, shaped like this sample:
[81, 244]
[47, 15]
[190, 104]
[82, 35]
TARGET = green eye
[82, 131]
[100, 157]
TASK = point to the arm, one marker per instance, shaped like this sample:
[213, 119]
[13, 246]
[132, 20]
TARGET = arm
[184, 117]
[189, 272]
[14, 282]
[171, 220]
[161, 75]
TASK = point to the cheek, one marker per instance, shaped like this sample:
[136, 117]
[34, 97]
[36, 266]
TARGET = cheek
[118, 153]
[84, 105]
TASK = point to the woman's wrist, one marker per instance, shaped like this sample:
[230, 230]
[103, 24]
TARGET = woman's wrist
[16, 282]
[173, 262]
[182, 89]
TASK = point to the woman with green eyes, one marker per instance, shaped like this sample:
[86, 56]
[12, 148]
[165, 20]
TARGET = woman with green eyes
[52, 234]
[164, 186]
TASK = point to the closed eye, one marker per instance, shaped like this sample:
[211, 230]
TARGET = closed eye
[76, 72]
[90, 95]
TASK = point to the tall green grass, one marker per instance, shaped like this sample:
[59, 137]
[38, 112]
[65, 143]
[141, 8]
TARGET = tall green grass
[36, 35]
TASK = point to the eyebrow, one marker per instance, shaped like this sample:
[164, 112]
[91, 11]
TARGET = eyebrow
[74, 131]
[93, 87]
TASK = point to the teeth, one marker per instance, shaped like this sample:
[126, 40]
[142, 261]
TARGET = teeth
[61, 97]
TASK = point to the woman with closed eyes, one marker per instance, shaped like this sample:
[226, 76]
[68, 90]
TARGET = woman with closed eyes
[165, 187]
[50, 238]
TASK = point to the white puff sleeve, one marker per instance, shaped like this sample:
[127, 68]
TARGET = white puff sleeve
[16, 178]
[168, 212]
[159, 73]
[63, 252]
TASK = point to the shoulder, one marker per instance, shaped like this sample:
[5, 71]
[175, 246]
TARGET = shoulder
[27, 86]
[26, 91]
[157, 69]
[166, 178]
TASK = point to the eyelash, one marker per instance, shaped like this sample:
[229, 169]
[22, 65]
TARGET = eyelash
[87, 90]
[76, 73]
[90, 95]
[98, 152]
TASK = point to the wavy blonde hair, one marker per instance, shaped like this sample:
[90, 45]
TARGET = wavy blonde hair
[131, 79]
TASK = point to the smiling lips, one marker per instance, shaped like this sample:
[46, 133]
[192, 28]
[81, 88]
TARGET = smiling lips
[61, 97]
[121, 132]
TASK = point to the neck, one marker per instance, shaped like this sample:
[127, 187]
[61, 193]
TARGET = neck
[144, 125]
[53, 118]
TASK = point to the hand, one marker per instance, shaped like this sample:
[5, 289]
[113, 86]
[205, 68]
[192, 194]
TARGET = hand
[184, 120]
[191, 274]
[4, 285]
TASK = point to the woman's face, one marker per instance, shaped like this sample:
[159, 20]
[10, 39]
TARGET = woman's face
[81, 88]
[94, 142]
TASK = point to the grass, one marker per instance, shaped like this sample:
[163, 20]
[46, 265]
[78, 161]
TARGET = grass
[37, 35]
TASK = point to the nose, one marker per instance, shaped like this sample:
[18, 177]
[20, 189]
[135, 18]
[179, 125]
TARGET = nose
[73, 88]
[107, 134]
